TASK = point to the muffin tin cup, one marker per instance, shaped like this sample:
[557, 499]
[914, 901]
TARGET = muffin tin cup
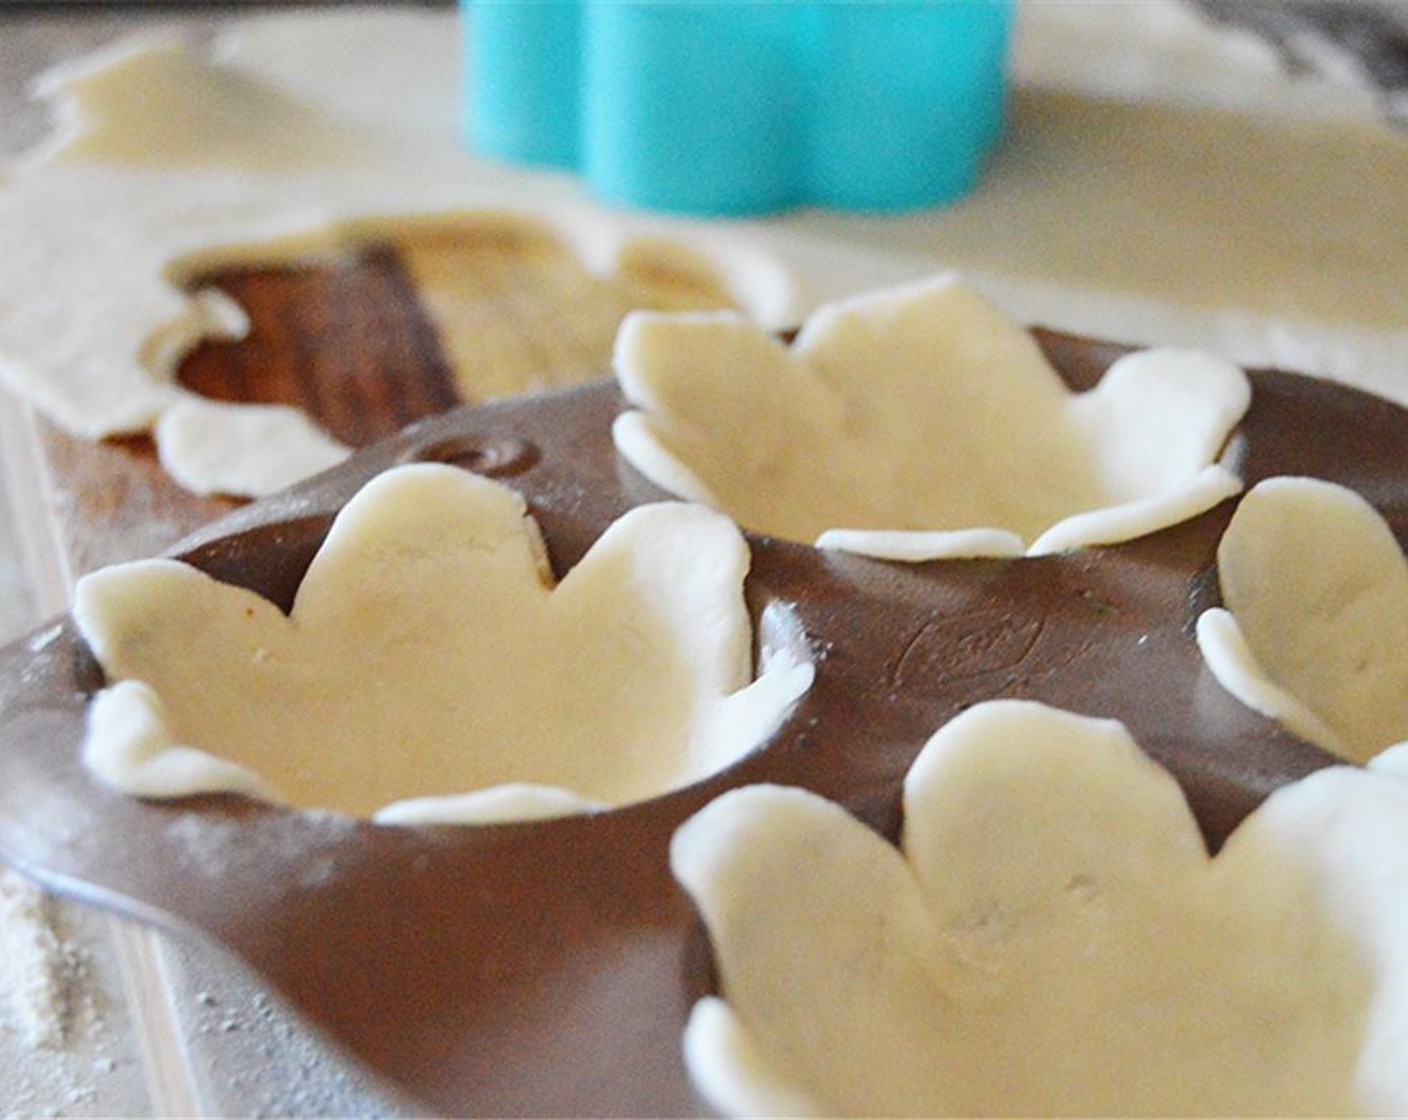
[548, 968]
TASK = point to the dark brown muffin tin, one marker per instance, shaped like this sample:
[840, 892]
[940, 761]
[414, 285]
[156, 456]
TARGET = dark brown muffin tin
[547, 968]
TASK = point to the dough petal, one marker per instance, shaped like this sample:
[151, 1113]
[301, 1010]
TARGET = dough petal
[1315, 634]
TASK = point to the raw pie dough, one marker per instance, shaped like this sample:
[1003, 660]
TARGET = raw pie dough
[430, 671]
[1162, 182]
[1314, 627]
[167, 166]
[920, 423]
[1052, 939]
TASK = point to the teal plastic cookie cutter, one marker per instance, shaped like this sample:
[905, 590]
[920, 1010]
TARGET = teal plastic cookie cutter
[733, 107]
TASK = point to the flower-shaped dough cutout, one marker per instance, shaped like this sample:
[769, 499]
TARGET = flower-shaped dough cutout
[1052, 939]
[1314, 627]
[921, 422]
[430, 670]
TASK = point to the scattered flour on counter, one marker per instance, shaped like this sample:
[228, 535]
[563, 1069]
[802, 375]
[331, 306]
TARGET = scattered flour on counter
[254, 1056]
[42, 975]
[66, 1046]
[308, 1079]
[59, 1052]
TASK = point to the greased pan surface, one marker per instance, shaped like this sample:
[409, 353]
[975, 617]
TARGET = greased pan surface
[547, 968]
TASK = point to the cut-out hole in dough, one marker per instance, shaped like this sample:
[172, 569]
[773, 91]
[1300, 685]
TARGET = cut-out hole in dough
[428, 314]
[431, 312]
[430, 670]
[918, 423]
[1313, 631]
[1052, 939]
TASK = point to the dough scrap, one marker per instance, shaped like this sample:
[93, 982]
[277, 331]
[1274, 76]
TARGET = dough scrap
[1314, 628]
[431, 671]
[1052, 939]
[260, 449]
[278, 148]
[920, 422]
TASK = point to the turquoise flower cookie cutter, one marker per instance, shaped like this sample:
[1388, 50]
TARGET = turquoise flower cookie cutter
[733, 107]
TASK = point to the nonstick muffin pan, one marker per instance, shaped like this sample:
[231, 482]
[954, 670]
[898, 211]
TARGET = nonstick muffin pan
[547, 968]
